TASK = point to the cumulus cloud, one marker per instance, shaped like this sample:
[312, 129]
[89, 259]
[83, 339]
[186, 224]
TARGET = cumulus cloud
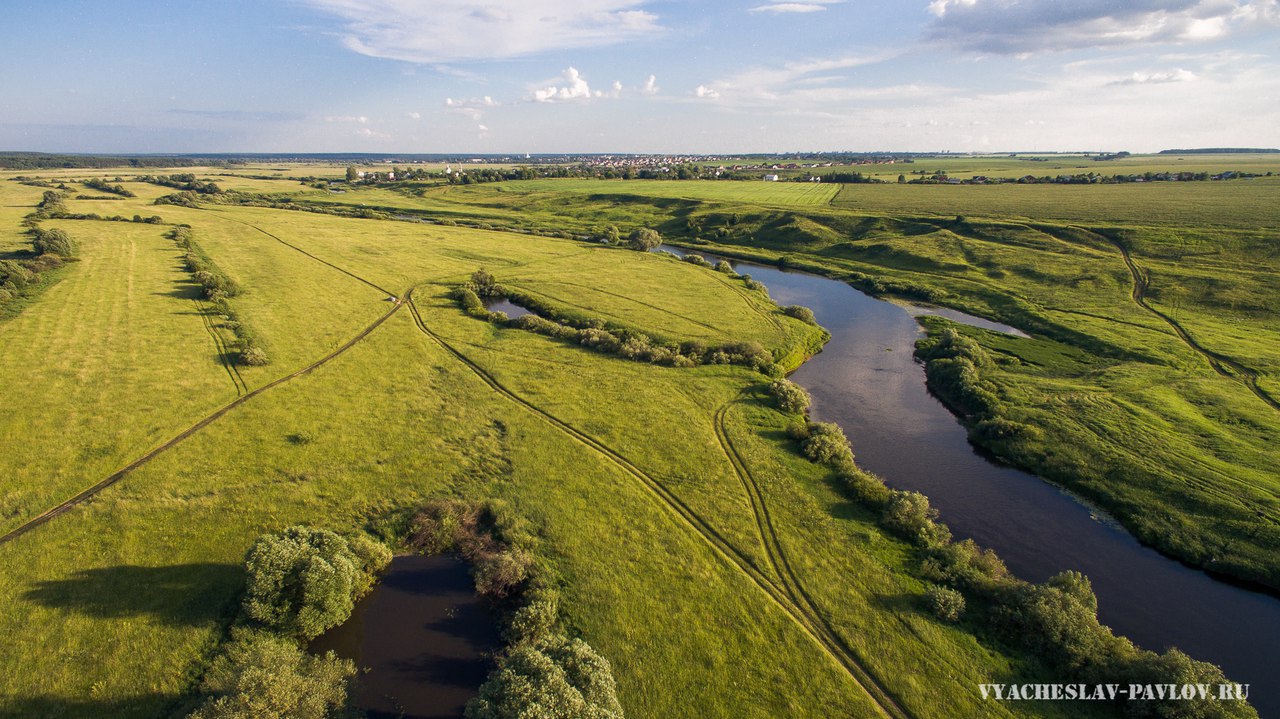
[444, 31]
[415, 116]
[1028, 26]
[575, 87]
[706, 92]
[794, 7]
[650, 86]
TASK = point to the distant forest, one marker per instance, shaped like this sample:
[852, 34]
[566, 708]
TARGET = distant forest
[45, 161]
[1220, 151]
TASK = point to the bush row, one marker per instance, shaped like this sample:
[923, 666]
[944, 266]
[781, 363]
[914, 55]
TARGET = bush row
[218, 288]
[98, 183]
[21, 278]
[541, 672]
[299, 582]
[1056, 620]
[602, 336]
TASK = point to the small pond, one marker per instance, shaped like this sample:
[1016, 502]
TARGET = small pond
[422, 639]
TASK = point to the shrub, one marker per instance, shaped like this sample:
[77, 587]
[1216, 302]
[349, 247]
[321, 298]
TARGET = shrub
[303, 581]
[535, 620]
[53, 242]
[800, 312]
[265, 677]
[698, 260]
[864, 486]
[497, 574]
[826, 444]
[725, 267]
[644, 239]
[909, 515]
[790, 396]
[254, 356]
[555, 678]
[483, 283]
[946, 604]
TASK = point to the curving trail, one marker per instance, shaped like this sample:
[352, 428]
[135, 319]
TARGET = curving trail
[683, 514]
[782, 566]
[1223, 365]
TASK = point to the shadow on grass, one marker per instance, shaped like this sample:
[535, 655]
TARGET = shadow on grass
[180, 594]
[146, 705]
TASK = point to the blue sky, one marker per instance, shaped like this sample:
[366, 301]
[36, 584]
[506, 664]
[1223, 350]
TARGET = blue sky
[717, 76]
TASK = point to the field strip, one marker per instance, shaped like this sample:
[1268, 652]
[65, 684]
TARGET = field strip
[690, 519]
[220, 345]
[782, 567]
[1223, 365]
[120, 474]
[348, 273]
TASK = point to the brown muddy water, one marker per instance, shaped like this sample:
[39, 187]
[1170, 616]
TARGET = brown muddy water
[422, 639]
[867, 380]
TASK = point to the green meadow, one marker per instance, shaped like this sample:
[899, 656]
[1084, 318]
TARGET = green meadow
[721, 573]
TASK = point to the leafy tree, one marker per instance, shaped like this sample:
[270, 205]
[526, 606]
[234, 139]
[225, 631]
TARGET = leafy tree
[909, 514]
[791, 397]
[266, 677]
[826, 444]
[352, 173]
[644, 239]
[557, 678]
[303, 581]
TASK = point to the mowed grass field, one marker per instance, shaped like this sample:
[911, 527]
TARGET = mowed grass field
[114, 607]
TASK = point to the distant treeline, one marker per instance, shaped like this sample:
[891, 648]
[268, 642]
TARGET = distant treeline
[1222, 151]
[46, 161]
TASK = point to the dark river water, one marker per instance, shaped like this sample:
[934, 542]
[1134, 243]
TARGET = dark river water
[502, 304]
[867, 381]
[424, 637]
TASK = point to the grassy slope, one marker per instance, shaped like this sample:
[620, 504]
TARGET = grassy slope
[396, 419]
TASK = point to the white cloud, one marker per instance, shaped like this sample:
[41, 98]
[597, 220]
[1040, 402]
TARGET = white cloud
[1148, 78]
[794, 7]
[1021, 27]
[706, 92]
[358, 119]
[443, 31]
[415, 116]
[770, 85]
[472, 107]
[650, 86]
[575, 87]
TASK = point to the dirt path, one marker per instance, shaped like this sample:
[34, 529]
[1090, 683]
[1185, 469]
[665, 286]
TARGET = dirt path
[1223, 365]
[782, 567]
[683, 514]
[144, 459]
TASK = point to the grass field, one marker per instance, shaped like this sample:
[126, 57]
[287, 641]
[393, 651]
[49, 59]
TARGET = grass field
[656, 533]
[1046, 258]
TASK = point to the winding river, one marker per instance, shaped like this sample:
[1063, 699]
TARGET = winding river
[866, 380]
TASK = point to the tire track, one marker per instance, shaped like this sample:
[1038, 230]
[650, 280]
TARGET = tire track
[792, 585]
[683, 514]
[120, 474]
[1222, 364]
[224, 352]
